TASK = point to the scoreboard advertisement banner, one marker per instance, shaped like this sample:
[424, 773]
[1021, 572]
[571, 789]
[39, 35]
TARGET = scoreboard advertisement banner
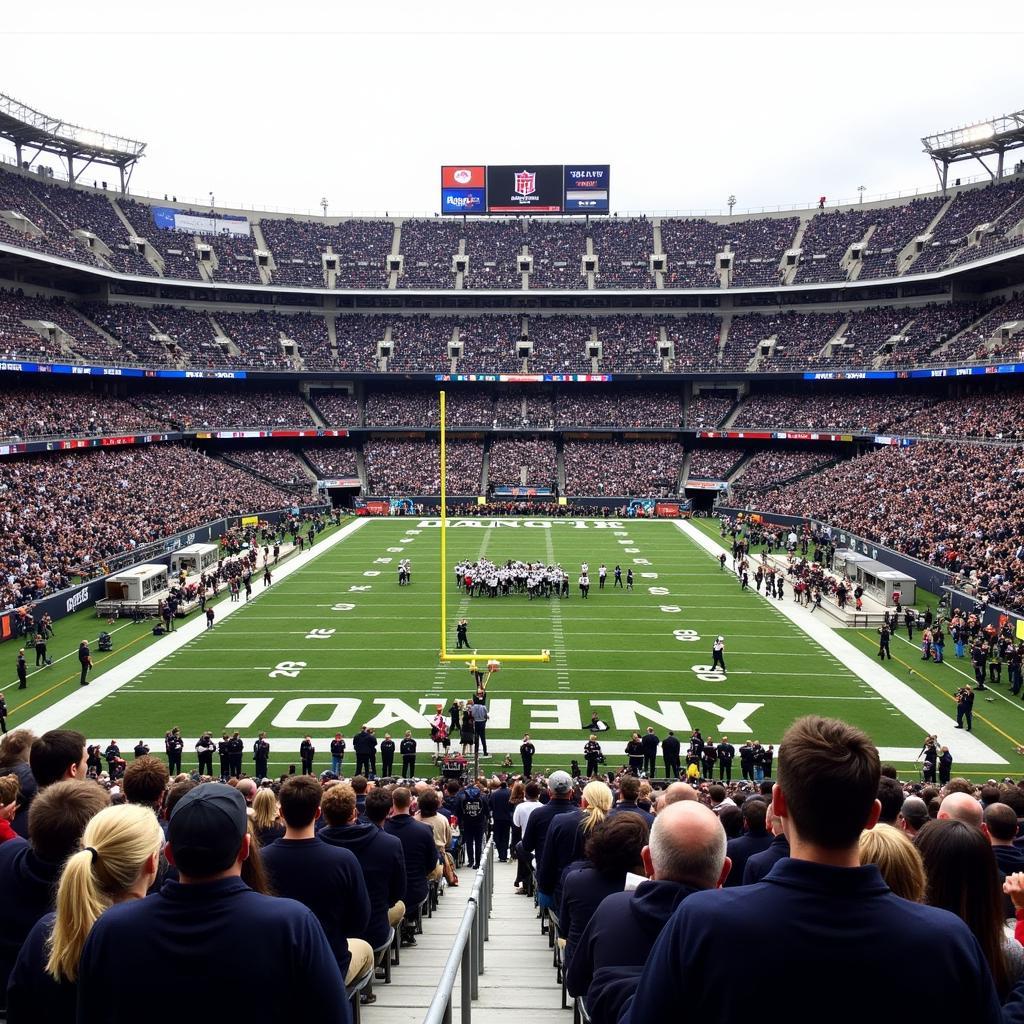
[468, 189]
[463, 176]
[524, 188]
[586, 188]
[464, 200]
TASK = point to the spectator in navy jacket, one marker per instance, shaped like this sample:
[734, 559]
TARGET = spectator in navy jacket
[565, 840]
[29, 870]
[210, 917]
[379, 855]
[826, 912]
[421, 861]
[760, 864]
[560, 802]
[629, 790]
[612, 850]
[501, 819]
[117, 860]
[327, 879]
[686, 853]
[755, 839]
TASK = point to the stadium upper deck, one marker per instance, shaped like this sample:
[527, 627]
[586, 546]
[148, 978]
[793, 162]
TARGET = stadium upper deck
[114, 235]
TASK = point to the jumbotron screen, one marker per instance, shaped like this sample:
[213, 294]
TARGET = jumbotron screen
[529, 189]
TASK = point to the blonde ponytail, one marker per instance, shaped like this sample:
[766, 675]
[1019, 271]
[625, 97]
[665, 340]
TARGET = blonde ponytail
[116, 844]
[599, 802]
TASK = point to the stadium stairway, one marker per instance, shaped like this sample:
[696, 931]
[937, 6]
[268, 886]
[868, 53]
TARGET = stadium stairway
[909, 254]
[516, 951]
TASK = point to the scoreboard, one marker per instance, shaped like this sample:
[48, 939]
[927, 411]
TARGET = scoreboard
[517, 189]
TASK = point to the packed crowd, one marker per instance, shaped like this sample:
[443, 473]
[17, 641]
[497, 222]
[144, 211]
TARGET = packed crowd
[79, 210]
[331, 462]
[623, 245]
[413, 467]
[64, 411]
[19, 341]
[970, 209]
[489, 344]
[758, 245]
[771, 468]
[557, 248]
[116, 871]
[895, 227]
[827, 410]
[56, 509]
[955, 505]
[634, 468]
[428, 248]
[826, 241]
[281, 465]
[259, 337]
[714, 463]
[493, 248]
[707, 409]
[515, 462]
[560, 344]
[636, 408]
[420, 342]
[357, 337]
[337, 408]
[628, 342]
[211, 407]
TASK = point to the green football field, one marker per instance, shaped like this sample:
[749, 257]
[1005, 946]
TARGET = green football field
[338, 644]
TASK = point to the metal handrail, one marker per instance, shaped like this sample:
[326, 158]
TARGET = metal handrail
[467, 954]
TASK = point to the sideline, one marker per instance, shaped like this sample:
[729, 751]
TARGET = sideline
[965, 747]
[86, 697]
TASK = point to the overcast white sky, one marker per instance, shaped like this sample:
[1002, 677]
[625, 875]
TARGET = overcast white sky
[273, 105]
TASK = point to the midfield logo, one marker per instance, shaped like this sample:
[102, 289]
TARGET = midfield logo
[526, 183]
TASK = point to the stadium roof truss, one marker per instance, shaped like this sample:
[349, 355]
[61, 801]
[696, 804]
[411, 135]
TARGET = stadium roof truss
[78, 147]
[994, 137]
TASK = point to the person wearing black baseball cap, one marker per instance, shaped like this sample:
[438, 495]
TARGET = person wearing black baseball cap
[182, 928]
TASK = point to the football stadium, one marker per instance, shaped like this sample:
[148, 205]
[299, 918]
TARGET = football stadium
[555, 580]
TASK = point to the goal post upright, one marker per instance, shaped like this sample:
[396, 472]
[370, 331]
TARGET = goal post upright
[443, 530]
[444, 539]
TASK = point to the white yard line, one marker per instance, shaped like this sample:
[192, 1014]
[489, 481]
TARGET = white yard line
[85, 697]
[965, 747]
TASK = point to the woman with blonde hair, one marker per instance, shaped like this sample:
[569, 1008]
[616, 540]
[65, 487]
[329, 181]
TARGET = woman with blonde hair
[566, 837]
[117, 862]
[266, 816]
[897, 858]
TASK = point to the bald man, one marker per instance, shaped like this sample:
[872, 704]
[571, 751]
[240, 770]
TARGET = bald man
[674, 794]
[686, 853]
[962, 807]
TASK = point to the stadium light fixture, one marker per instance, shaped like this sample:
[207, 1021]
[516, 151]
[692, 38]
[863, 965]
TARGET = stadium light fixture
[993, 137]
[443, 531]
[732, 202]
[323, 205]
[29, 129]
[861, 189]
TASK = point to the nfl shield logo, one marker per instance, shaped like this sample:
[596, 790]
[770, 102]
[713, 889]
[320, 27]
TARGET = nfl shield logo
[526, 183]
